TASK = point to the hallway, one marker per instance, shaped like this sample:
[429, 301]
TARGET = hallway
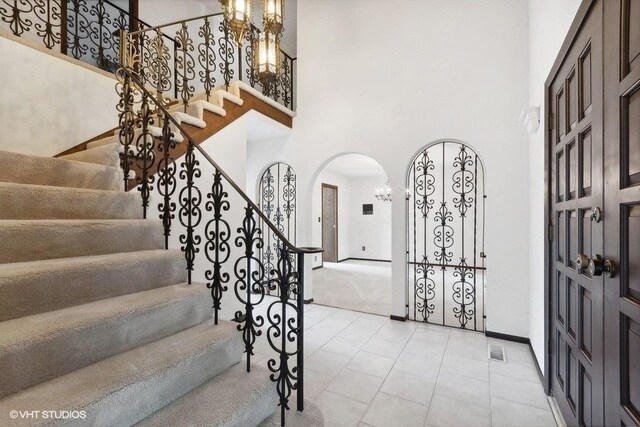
[355, 285]
[367, 370]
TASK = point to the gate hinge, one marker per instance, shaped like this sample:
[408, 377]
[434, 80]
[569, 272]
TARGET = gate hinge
[549, 121]
[550, 233]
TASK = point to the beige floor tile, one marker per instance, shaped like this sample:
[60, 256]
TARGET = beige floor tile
[447, 412]
[371, 364]
[355, 385]
[408, 386]
[326, 362]
[340, 411]
[512, 414]
[521, 391]
[471, 368]
[391, 411]
[469, 390]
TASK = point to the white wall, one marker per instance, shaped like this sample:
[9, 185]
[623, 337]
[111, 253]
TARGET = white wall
[448, 69]
[549, 21]
[50, 104]
[371, 231]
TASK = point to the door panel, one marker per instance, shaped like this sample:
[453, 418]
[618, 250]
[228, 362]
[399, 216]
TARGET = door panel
[622, 212]
[329, 223]
[575, 104]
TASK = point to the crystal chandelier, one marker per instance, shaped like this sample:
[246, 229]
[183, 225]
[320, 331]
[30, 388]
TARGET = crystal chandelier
[384, 193]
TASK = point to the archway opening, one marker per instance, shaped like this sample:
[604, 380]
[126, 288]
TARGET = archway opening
[353, 226]
[446, 267]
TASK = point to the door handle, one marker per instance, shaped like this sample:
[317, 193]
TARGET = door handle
[599, 265]
[582, 261]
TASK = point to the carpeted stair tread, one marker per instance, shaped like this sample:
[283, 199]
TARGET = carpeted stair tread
[37, 348]
[113, 139]
[50, 171]
[33, 240]
[127, 387]
[233, 398]
[25, 201]
[108, 154]
[28, 288]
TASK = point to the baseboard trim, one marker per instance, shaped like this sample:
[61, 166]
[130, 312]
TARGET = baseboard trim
[535, 361]
[344, 259]
[364, 259]
[399, 318]
[308, 301]
[317, 268]
[507, 337]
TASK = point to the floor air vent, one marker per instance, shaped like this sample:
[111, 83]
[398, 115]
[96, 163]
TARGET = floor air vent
[496, 352]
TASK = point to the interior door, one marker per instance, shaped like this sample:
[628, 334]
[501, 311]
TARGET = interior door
[329, 223]
[622, 212]
[575, 155]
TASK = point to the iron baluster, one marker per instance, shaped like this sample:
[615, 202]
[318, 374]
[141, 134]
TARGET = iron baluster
[217, 248]
[184, 66]
[190, 213]
[285, 329]
[207, 57]
[145, 153]
[14, 16]
[226, 51]
[126, 120]
[249, 281]
[166, 178]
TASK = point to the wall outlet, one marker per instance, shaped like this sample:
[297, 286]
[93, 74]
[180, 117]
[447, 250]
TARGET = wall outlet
[364, 248]
[315, 257]
[319, 219]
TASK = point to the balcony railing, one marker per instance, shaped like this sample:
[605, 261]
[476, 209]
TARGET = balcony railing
[177, 59]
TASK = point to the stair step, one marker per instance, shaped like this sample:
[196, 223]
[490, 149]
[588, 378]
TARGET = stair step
[130, 386]
[108, 154]
[114, 139]
[34, 240]
[23, 201]
[233, 398]
[37, 348]
[28, 288]
[50, 171]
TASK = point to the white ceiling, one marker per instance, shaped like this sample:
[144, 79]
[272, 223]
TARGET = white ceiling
[355, 165]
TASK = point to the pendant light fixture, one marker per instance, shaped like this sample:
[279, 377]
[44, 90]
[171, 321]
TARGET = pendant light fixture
[273, 16]
[267, 54]
[237, 13]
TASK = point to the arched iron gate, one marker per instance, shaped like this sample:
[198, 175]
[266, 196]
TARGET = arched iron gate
[445, 236]
[278, 203]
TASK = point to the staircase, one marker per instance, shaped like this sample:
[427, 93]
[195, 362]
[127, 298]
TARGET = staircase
[96, 316]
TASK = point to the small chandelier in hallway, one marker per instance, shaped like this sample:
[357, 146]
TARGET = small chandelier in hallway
[384, 193]
[237, 13]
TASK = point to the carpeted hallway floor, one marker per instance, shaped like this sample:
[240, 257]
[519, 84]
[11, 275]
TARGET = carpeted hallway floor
[355, 285]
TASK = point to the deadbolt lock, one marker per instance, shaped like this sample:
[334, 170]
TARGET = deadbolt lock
[596, 214]
[599, 265]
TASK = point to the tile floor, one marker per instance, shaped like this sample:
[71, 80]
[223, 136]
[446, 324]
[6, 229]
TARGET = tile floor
[367, 370]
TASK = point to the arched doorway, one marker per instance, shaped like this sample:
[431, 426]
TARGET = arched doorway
[277, 193]
[445, 236]
[352, 223]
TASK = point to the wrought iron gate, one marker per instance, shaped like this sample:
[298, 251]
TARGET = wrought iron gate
[445, 236]
[278, 203]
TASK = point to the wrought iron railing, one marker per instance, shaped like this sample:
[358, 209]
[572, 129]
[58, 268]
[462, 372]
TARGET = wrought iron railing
[175, 174]
[202, 54]
[178, 59]
[86, 30]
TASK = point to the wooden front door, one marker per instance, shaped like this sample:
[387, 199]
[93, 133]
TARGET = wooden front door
[622, 212]
[575, 154]
[593, 154]
[329, 223]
